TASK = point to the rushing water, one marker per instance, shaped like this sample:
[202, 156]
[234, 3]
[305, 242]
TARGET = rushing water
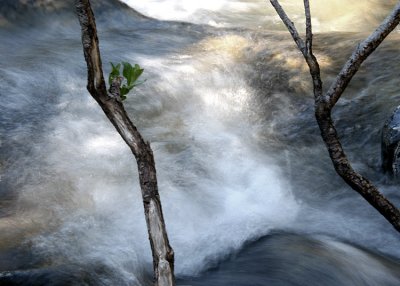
[248, 191]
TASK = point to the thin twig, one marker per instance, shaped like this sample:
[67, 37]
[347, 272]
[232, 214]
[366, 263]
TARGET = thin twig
[360, 54]
[309, 34]
[289, 25]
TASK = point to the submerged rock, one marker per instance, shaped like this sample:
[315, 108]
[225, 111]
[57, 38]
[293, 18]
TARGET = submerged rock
[290, 259]
[391, 144]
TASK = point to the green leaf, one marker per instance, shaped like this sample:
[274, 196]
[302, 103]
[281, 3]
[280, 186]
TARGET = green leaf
[114, 72]
[127, 72]
[139, 82]
[137, 71]
[124, 90]
[130, 74]
[115, 69]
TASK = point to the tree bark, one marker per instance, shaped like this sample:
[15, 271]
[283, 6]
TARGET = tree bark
[325, 102]
[163, 255]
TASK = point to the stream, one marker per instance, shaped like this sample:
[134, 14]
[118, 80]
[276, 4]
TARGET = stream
[249, 194]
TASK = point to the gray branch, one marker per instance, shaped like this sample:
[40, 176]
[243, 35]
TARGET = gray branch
[306, 49]
[308, 27]
[324, 105]
[163, 255]
[289, 25]
[361, 53]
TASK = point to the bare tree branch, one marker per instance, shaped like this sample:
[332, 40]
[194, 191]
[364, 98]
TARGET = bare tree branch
[163, 255]
[325, 103]
[289, 25]
[361, 53]
[310, 58]
[306, 50]
[308, 27]
[343, 167]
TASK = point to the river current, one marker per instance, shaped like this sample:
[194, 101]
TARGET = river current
[249, 194]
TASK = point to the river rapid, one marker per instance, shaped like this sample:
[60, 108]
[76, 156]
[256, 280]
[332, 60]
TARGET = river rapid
[249, 194]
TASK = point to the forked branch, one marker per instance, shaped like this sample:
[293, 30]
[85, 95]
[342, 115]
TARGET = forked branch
[325, 103]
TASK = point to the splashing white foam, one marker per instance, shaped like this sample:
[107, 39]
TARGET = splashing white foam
[217, 190]
[338, 15]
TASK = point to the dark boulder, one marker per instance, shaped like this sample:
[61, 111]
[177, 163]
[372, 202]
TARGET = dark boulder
[391, 144]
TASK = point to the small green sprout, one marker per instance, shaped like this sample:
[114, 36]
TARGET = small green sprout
[130, 74]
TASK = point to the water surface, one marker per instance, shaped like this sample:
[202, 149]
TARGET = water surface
[248, 191]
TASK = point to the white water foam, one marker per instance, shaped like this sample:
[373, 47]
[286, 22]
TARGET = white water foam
[218, 191]
[328, 16]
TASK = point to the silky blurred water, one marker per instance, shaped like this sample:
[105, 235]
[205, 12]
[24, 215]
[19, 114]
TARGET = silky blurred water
[248, 191]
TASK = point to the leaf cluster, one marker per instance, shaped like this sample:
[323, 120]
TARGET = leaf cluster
[130, 75]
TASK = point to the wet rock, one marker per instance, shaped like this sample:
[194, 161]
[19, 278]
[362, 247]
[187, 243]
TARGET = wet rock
[25, 13]
[391, 144]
